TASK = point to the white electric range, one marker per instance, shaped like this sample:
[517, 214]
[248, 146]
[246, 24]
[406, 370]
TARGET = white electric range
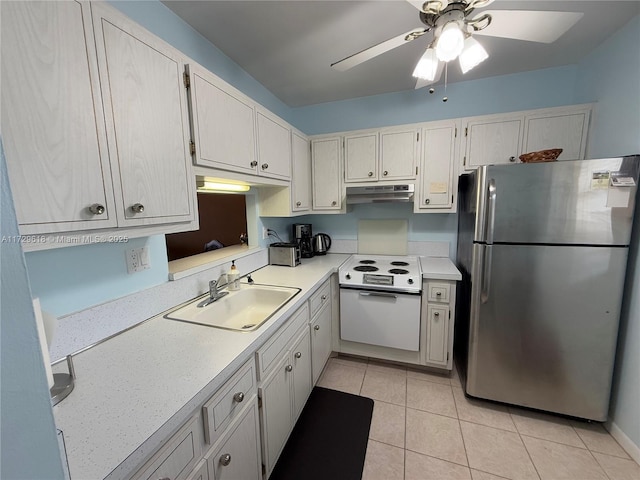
[380, 299]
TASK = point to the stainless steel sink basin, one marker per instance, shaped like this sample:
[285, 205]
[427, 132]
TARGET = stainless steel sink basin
[242, 310]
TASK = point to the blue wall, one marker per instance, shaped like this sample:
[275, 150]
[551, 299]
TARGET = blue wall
[611, 75]
[507, 93]
[29, 444]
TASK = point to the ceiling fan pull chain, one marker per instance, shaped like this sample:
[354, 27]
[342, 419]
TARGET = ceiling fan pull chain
[446, 72]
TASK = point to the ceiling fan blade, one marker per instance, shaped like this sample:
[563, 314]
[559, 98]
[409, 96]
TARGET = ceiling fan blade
[532, 26]
[423, 83]
[379, 49]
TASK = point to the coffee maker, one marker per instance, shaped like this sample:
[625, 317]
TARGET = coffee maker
[304, 238]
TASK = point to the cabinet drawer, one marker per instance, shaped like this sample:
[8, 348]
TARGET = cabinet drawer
[220, 410]
[318, 299]
[270, 352]
[438, 292]
[178, 457]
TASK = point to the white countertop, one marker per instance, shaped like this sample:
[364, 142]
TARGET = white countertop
[439, 268]
[137, 388]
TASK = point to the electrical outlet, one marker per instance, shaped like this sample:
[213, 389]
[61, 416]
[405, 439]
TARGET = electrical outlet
[265, 233]
[137, 259]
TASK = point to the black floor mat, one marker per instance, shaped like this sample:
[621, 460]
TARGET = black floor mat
[329, 441]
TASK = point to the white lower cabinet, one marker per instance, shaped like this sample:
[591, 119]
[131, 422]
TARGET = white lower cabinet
[283, 393]
[237, 456]
[320, 341]
[177, 459]
[438, 304]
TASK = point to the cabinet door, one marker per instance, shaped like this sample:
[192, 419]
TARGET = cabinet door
[567, 131]
[301, 361]
[276, 415]
[223, 124]
[361, 158]
[274, 147]
[436, 175]
[437, 334]
[493, 141]
[320, 341]
[147, 122]
[326, 173]
[301, 166]
[399, 154]
[238, 457]
[52, 120]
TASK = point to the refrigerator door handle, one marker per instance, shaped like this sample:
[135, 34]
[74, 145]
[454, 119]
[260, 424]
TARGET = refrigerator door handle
[491, 211]
[486, 274]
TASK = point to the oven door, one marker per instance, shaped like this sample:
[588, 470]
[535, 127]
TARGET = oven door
[387, 319]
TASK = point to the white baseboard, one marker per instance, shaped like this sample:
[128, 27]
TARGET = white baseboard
[625, 442]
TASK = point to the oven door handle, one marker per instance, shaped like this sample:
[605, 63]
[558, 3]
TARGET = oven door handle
[377, 294]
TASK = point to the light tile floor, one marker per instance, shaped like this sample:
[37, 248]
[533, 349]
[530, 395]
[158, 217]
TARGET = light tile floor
[423, 427]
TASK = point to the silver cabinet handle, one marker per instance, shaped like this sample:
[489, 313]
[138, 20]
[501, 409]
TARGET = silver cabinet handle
[324, 297]
[164, 478]
[254, 164]
[316, 328]
[375, 294]
[436, 314]
[225, 459]
[385, 173]
[370, 174]
[238, 397]
[438, 294]
[137, 208]
[298, 355]
[512, 159]
[96, 209]
[265, 166]
[298, 204]
[288, 368]
[427, 201]
[334, 203]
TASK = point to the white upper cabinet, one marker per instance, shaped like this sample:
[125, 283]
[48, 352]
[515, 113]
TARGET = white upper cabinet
[389, 154]
[326, 173]
[565, 128]
[301, 167]
[274, 146]
[501, 139]
[223, 124]
[493, 140]
[361, 157]
[147, 121]
[52, 119]
[437, 168]
[399, 151]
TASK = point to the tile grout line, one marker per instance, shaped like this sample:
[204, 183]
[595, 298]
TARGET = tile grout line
[406, 398]
[443, 460]
[464, 444]
[526, 449]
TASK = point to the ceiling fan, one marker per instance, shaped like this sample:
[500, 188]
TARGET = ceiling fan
[454, 26]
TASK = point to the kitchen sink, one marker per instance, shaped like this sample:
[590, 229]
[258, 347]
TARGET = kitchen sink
[242, 310]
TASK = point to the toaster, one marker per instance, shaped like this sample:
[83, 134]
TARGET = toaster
[287, 254]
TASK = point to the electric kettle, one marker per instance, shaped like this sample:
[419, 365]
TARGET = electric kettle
[321, 244]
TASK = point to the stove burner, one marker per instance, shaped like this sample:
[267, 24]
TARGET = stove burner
[400, 264]
[398, 271]
[365, 268]
[368, 262]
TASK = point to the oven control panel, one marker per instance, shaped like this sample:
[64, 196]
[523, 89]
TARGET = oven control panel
[382, 280]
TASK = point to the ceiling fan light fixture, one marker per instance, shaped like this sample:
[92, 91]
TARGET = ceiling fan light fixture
[427, 65]
[472, 54]
[450, 42]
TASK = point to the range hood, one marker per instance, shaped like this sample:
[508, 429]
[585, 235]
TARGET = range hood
[380, 194]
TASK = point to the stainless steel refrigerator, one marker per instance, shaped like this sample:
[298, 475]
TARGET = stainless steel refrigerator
[543, 252]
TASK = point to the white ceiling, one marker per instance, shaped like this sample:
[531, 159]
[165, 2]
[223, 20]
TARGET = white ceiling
[288, 46]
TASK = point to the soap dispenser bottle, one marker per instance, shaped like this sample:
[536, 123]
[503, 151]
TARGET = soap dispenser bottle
[233, 277]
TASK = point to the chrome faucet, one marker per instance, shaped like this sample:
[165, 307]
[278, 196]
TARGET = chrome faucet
[215, 290]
